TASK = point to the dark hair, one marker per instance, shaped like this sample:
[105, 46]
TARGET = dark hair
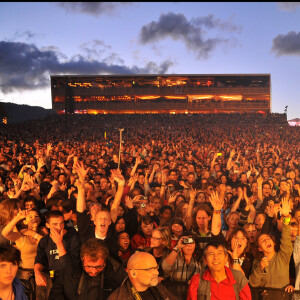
[178, 221]
[119, 218]
[30, 198]
[94, 249]
[53, 214]
[215, 244]
[10, 253]
[53, 201]
[233, 234]
[164, 207]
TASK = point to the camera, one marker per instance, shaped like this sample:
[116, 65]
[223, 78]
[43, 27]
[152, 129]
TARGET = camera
[188, 240]
[143, 205]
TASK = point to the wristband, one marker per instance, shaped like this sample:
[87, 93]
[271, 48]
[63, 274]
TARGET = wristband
[218, 212]
[176, 249]
[286, 220]
[236, 261]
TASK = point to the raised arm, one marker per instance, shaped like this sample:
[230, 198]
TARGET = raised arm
[81, 171]
[118, 177]
[8, 232]
[217, 204]
[137, 162]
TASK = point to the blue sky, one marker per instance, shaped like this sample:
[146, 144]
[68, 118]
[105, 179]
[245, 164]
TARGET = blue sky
[39, 39]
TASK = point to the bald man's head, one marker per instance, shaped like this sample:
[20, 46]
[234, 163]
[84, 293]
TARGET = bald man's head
[142, 270]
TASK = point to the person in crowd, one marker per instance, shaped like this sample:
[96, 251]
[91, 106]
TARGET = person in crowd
[240, 256]
[160, 247]
[125, 250]
[10, 285]
[142, 239]
[205, 223]
[271, 268]
[96, 276]
[142, 281]
[218, 281]
[28, 238]
[177, 228]
[55, 250]
[8, 210]
[182, 263]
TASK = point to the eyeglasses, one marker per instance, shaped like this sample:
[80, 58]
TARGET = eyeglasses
[95, 267]
[149, 269]
[156, 238]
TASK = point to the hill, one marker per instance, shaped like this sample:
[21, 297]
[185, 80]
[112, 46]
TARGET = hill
[17, 113]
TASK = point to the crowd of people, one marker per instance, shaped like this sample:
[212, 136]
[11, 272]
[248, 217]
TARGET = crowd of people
[149, 206]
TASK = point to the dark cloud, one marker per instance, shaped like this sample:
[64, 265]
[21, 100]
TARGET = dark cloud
[192, 32]
[288, 44]
[92, 8]
[26, 67]
[27, 35]
[288, 6]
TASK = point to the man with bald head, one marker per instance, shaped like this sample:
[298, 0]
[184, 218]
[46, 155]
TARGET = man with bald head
[142, 281]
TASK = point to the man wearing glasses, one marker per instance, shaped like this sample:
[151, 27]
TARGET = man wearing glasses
[142, 282]
[96, 278]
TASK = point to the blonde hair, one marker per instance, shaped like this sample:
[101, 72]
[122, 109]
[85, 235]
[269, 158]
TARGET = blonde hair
[165, 234]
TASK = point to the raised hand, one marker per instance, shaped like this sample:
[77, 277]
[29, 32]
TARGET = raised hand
[193, 193]
[80, 170]
[129, 202]
[117, 176]
[21, 214]
[285, 206]
[215, 201]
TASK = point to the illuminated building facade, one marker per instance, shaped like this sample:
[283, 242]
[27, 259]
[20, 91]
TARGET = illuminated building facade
[161, 93]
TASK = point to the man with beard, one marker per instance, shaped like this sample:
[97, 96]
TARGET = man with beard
[142, 280]
[95, 277]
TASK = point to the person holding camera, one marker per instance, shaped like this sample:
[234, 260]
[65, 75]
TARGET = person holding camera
[182, 263]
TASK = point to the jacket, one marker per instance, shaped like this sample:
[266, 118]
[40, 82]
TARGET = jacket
[73, 283]
[201, 289]
[124, 292]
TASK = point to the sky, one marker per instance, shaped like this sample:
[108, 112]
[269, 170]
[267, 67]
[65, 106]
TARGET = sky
[40, 39]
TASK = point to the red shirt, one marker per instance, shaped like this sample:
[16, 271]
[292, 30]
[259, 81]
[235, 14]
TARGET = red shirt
[218, 291]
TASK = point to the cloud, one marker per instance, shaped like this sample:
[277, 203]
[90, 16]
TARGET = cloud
[192, 32]
[288, 6]
[288, 44]
[26, 67]
[92, 8]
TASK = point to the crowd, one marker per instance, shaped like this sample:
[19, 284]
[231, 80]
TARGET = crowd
[192, 207]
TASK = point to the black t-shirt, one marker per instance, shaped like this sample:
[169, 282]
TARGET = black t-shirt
[147, 295]
[47, 253]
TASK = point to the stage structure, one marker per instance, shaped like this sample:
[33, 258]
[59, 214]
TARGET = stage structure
[162, 93]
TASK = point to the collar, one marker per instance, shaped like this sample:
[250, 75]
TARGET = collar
[228, 281]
